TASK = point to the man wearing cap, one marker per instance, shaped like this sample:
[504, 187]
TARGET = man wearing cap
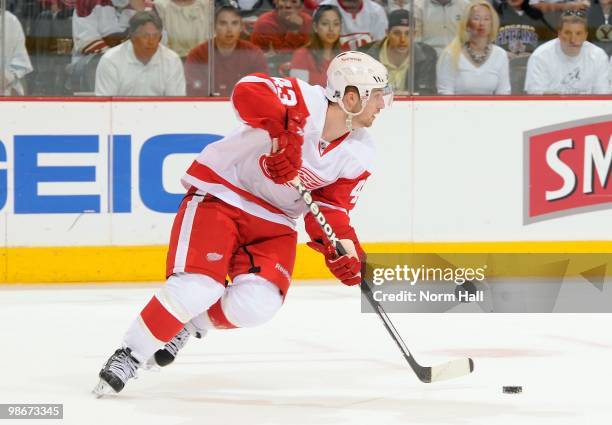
[394, 53]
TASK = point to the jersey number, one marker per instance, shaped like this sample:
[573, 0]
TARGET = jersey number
[285, 92]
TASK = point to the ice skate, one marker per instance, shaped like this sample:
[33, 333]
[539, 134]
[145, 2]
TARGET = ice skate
[120, 367]
[166, 355]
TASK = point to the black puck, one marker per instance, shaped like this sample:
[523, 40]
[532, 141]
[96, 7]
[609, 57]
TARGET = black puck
[512, 389]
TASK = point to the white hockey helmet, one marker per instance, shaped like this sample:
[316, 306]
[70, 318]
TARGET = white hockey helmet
[360, 71]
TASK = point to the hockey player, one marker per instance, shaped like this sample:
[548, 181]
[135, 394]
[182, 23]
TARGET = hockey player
[239, 215]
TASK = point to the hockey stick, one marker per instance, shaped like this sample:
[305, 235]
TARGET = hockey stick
[427, 374]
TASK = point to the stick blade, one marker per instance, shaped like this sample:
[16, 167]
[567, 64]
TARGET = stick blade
[452, 369]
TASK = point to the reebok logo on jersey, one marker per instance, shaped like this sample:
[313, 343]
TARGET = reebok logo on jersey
[568, 168]
[214, 256]
[283, 271]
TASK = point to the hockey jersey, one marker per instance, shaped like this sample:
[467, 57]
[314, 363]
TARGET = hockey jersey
[231, 168]
[369, 24]
[94, 20]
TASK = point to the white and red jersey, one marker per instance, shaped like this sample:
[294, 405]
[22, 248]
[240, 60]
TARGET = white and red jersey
[230, 169]
[95, 19]
[358, 29]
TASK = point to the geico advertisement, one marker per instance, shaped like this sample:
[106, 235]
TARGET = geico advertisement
[119, 169]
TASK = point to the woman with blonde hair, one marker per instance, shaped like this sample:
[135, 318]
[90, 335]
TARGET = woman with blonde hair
[472, 63]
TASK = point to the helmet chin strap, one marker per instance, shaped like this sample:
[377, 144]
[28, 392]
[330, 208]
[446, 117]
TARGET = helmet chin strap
[350, 115]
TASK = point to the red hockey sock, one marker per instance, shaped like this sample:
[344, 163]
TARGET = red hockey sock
[162, 324]
[218, 318]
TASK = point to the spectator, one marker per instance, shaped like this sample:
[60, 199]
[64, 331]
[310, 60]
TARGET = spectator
[363, 22]
[282, 30]
[97, 25]
[16, 60]
[394, 53]
[522, 28]
[437, 21]
[141, 66]
[600, 24]
[186, 23]
[472, 64]
[233, 58]
[310, 63]
[26, 12]
[51, 48]
[568, 64]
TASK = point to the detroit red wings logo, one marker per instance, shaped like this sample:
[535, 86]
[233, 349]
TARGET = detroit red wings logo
[262, 166]
[355, 40]
[310, 179]
[568, 168]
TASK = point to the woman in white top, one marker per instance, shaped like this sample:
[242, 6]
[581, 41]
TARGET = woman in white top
[472, 63]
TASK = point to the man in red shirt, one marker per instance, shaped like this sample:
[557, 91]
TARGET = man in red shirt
[281, 31]
[233, 58]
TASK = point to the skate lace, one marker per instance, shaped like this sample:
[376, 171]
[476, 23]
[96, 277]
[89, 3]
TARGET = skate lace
[123, 365]
[177, 342]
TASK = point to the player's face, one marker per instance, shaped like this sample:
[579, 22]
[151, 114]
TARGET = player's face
[328, 28]
[372, 108]
[480, 22]
[227, 29]
[571, 37]
[399, 39]
[145, 41]
[288, 7]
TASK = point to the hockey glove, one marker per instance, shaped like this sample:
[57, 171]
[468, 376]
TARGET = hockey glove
[346, 268]
[283, 163]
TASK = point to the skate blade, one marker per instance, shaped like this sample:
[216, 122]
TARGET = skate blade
[103, 389]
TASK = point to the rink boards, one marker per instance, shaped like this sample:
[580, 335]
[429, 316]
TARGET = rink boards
[88, 187]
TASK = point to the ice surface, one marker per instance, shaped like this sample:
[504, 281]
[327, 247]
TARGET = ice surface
[320, 361]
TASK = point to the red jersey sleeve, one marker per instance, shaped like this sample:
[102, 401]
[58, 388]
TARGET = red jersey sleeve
[266, 32]
[293, 40]
[262, 101]
[270, 32]
[335, 201]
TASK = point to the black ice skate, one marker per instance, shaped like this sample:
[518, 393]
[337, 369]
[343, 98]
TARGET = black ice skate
[166, 355]
[120, 367]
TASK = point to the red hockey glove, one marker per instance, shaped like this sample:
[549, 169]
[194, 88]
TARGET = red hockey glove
[346, 268]
[281, 167]
[285, 160]
[292, 136]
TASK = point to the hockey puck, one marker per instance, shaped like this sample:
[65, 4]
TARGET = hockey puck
[512, 389]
